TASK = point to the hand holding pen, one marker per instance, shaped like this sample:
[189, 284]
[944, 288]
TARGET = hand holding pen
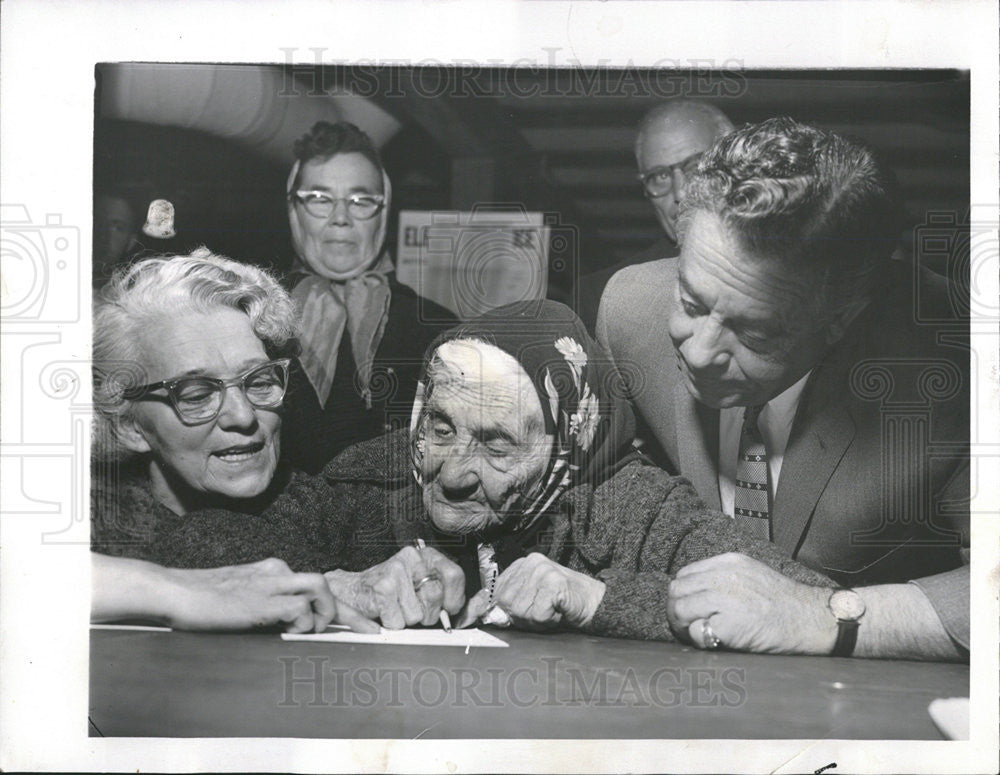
[414, 586]
[432, 576]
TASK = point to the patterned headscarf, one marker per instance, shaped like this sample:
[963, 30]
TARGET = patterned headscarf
[359, 305]
[582, 397]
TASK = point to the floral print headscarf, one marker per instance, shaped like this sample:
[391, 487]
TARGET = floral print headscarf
[581, 392]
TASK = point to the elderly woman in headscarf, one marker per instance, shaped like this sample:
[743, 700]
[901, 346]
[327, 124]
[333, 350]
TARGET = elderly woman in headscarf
[191, 357]
[363, 333]
[518, 463]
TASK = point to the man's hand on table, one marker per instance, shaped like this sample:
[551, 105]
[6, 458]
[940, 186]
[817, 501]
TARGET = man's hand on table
[411, 587]
[751, 607]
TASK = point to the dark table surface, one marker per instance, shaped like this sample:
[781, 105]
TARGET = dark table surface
[557, 685]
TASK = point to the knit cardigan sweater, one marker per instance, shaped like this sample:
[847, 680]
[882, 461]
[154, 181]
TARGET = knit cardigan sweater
[297, 520]
[633, 531]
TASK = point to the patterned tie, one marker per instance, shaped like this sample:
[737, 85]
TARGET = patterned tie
[751, 502]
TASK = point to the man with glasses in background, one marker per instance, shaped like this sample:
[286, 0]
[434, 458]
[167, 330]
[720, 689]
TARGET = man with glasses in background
[671, 138]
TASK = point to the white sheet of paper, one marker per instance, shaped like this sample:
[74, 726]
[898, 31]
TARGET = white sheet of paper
[951, 715]
[463, 638]
[137, 627]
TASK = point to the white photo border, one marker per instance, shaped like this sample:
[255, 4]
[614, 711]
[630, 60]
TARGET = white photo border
[49, 49]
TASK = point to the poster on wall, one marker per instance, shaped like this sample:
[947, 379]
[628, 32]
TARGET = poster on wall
[472, 262]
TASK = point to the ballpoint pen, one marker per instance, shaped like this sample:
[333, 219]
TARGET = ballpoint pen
[443, 616]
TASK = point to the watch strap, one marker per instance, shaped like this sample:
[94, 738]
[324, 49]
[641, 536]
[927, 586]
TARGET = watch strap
[847, 637]
[847, 629]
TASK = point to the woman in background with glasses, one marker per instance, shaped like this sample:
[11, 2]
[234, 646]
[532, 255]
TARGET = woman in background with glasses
[191, 367]
[363, 333]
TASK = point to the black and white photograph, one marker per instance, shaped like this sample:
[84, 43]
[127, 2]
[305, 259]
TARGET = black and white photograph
[583, 404]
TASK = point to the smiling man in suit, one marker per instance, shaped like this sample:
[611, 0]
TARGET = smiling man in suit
[781, 367]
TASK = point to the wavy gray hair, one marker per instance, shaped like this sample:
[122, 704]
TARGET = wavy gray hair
[810, 199]
[156, 288]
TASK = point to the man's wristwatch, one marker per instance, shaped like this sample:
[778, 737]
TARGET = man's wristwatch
[847, 607]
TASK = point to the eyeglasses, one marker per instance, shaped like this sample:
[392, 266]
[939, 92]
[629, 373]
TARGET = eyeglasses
[660, 181]
[321, 205]
[198, 400]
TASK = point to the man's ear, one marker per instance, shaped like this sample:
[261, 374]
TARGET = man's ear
[131, 436]
[842, 321]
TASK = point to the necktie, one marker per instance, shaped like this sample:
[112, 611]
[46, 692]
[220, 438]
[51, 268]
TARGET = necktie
[751, 504]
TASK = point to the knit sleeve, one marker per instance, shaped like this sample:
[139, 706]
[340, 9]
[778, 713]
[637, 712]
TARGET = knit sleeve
[665, 527]
[365, 528]
[310, 525]
[211, 538]
[123, 513]
[632, 549]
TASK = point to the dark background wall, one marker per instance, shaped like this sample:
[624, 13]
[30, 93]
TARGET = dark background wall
[559, 141]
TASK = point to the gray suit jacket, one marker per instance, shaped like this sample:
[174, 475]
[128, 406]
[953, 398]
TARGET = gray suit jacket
[874, 483]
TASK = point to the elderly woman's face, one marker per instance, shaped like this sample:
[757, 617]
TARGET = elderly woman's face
[234, 455]
[484, 445]
[340, 246]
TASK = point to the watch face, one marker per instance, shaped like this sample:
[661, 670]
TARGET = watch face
[847, 605]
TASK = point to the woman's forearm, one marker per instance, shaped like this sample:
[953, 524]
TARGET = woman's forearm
[122, 587]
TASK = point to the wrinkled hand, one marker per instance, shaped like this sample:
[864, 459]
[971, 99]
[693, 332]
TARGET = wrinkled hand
[538, 592]
[259, 594]
[475, 609]
[751, 607]
[387, 591]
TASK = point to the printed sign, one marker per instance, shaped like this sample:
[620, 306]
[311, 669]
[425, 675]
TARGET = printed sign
[472, 262]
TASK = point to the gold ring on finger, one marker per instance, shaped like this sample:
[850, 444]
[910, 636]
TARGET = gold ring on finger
[425, 580]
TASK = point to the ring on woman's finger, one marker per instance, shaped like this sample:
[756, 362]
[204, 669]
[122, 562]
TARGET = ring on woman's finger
[425, 580]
